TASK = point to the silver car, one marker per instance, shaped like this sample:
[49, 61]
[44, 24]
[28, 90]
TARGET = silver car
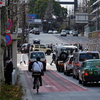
[32, 58]
[68, 65]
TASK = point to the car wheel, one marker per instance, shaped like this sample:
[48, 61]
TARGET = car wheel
[73, 76]
[58, 69]
[48, 52]
[67, 73]
[29, 68]
[80, 82]
[77, 77]
[44, 68]
[64, 72]
[84, 83]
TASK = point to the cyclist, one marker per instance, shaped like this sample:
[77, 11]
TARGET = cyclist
[37, 67]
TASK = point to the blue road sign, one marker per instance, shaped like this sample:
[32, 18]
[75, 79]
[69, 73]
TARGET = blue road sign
[31, 17]
[8, 38]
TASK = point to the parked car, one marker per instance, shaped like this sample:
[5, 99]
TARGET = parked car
[89, 71]
[68, 65]
[75, 33]
[25, 48]
[79, 57]
[62, 53]
[55, 32]
[36, 32]
[40, 47]
[32, 58]
[50, 32]
[31, 31]
[70, 32]
[67, 31]
[63, 34]
[36, 41]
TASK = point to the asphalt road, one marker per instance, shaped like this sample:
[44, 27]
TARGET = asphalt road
[57, 86]
[56, 38]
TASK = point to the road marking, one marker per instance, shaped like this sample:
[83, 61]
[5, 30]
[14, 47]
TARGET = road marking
[65, 77]
[51, 86]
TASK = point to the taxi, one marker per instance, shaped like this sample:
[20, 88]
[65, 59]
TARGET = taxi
[89, 71]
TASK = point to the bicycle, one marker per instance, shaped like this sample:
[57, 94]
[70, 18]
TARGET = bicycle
[37, 83]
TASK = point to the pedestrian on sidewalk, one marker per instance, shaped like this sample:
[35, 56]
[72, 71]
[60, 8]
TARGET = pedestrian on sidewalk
[22, 59]
[8, 71]
[53, 58]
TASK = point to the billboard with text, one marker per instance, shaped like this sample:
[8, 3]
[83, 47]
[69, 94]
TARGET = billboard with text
[31, 17]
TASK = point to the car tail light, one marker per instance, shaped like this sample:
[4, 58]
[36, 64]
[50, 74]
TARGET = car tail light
[45, 61]
[88, 52]
[86, 73]
[69, 62]
[29, 61]
[26, 47]
[78, 64]
[61, 64]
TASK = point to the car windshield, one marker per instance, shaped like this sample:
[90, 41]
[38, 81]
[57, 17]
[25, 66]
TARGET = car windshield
[93, 64]
[85, 56]
[63, 30]
[37, 54]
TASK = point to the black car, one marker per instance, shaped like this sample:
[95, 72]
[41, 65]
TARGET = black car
[36, 41]
[36, 32]
[25, 48]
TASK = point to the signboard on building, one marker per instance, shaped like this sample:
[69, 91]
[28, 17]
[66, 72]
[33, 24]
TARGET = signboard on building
[31, 17]
[2, 3]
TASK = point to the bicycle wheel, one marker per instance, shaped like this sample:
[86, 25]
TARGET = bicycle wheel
[37, 88]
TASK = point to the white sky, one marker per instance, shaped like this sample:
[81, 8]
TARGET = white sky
[68, 6]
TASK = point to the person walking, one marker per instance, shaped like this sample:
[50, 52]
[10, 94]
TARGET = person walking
[53, 58]
[22, 59]
[37, 67]
[8, 71]
[80, 47]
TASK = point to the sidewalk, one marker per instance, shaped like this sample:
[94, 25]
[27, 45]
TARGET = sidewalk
[23, 81]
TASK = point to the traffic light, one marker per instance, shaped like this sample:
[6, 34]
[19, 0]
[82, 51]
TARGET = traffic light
[72, 17]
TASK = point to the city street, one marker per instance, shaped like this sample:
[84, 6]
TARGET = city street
[56, 85]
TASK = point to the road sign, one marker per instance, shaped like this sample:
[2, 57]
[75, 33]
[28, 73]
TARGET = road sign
[2, 3]
[31, 17]
[9, 25]
[8, 38]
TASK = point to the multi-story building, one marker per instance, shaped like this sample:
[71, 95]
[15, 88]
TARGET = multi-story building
[94, 25]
